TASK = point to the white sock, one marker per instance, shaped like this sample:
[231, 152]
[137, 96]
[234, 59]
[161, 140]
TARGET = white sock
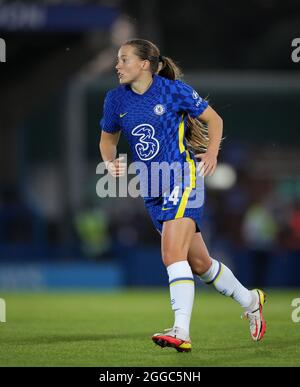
[182, 291]
[227, 284]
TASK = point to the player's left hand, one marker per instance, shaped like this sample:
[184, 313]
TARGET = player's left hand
[208, 163]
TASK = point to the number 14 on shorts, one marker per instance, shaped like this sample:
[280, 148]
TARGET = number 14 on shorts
[171, 199]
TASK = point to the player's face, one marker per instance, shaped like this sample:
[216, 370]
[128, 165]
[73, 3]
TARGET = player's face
[129, 66]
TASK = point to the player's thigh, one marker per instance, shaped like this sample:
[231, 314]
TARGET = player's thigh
[176, 238]
[198, 255]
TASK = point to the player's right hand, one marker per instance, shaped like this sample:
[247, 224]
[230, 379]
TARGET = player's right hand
[116, 167]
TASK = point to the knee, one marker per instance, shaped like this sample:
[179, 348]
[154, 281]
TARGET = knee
[167, 257]
[171, 255]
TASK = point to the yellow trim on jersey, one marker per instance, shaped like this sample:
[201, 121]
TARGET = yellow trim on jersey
[181, 282]
[181, 135]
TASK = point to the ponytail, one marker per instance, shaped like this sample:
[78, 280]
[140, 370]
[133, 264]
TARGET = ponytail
[168, 69]
[197, 133]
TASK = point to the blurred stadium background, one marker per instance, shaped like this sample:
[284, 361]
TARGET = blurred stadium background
[55, 232]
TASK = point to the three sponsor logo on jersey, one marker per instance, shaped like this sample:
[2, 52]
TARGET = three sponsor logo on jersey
[148, 146]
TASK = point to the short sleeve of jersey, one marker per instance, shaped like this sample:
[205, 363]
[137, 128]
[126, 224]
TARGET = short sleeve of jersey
[189, 100]
[110, 120]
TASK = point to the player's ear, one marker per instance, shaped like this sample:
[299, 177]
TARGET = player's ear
[146, 64]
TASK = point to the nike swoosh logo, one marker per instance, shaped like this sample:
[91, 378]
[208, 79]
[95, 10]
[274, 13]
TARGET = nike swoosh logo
[122, 115]
[164, 209]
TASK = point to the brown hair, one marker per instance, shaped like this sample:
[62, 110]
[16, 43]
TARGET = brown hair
[197, 133]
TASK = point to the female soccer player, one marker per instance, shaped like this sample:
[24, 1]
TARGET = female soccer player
[161, 117]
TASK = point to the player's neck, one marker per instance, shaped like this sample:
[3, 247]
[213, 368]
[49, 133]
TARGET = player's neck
[140, 86]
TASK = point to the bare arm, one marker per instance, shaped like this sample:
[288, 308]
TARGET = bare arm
[215, 130]
[108, 145]
[108, 150]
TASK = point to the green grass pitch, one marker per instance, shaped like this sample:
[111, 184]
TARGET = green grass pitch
[114, 329]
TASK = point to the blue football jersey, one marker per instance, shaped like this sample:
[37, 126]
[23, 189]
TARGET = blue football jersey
[154, 123]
